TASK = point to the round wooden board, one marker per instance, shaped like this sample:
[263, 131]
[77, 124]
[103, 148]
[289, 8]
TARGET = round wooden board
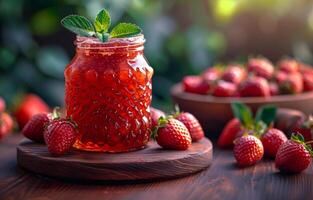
[152, 162]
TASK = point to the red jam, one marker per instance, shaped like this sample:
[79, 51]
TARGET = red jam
[108, 94]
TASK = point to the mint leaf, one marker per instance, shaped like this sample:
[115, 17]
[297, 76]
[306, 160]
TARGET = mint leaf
[79, 25]
[103, 37]
[243, 113]
[124, 30]
[103, 21]
[267, 114]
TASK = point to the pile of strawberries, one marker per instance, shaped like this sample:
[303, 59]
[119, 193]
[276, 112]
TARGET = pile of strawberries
[257, 78]
[252, 138]
[175, 131]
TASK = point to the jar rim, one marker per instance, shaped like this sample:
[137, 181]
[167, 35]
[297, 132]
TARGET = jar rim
[94, 43]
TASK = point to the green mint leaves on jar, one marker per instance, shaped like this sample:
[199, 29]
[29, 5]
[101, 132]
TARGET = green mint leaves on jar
[81, 26]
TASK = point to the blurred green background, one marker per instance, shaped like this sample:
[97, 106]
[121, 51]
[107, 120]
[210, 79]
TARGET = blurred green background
[183, 37]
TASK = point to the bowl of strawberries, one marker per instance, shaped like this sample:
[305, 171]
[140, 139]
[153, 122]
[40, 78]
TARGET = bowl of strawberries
[287, 84]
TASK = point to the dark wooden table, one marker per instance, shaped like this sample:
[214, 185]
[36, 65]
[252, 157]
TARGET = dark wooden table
[223, 180]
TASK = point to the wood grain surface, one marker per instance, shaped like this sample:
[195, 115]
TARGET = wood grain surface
[222, 180]
[152, 162]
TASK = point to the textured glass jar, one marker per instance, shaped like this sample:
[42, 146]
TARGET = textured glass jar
[108, 94]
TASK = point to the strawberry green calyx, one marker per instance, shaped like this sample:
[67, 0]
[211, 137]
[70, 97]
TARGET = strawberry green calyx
[100, 27]
[56, 113]
[297, 137]
[162, 121]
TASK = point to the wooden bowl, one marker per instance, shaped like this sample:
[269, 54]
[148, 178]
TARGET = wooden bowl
[214, 112]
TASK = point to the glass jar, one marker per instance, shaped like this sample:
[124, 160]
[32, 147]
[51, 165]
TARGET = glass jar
[108, 94]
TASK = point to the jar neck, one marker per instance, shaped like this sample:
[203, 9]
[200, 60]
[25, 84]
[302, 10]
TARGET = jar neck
[112, 46]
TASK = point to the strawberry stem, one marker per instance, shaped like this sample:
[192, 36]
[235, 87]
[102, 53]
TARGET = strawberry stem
[56, 113]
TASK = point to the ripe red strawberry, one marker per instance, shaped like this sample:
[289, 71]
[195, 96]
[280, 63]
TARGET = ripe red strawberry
[280, 76]
[225, 89]
[229, 133]
[30, 105]
[248, 150]
[6, 124]
[172, 134]
[306, 129]
[195, 84]
[293, 156]
[155, 115]
[254, 87]
[288, 65]
[307, 82]
[261, 67]
[211, 75]
[35, 127]
[234, 74]
[60, 135]
[272, 140]
[192, 124]
[293, 84]
[274, 90]
[2, 105]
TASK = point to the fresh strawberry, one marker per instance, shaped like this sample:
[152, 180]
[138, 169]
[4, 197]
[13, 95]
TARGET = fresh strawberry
[35, 127]
[225, 89]
[234, 74]
[192, 124]
[293, 156]
[195, 84]
[172, 134]
[229, 133]
[248, 150]
[211, 74]
[306, 129]
[293, 84]
[254, 87]
[2, 105]
[307, 82]
[274, 90]
[280, 76]
[155, 115]
[261, 67]
[30, 105]
[272, 140]
[60, 135]
[288, 65]
[6, 124]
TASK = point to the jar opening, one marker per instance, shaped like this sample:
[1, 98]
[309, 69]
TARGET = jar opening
[113, 43]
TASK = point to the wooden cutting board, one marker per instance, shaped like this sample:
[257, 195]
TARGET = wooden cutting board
[150, 163]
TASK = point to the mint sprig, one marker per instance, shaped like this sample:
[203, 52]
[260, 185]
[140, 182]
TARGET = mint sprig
[100, 27]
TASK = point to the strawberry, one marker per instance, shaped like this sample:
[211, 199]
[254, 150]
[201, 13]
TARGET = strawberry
[172, 134]
[248, 150]
[195, 84]
[307, 82]
[293, 84]
[6, 124]
[155, 115]
[234, 74]
[60, 135]
[272, 140]
[225, 89]
[211, 74]
[288, 65]
[229, 133]
[280, 76]
[192, 124]
[34, 128]
[31, 104]
[254, 87]
[2, 105]
[274, 90]
[261, 67]
[306, 129]
[293, 156]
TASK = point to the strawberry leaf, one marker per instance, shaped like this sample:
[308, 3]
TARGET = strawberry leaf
[243, 113]
[103, 21]
[79, 25]
[124, 30]
[267, 114]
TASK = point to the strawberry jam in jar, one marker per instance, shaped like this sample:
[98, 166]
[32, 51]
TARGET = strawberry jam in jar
[108, 94]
